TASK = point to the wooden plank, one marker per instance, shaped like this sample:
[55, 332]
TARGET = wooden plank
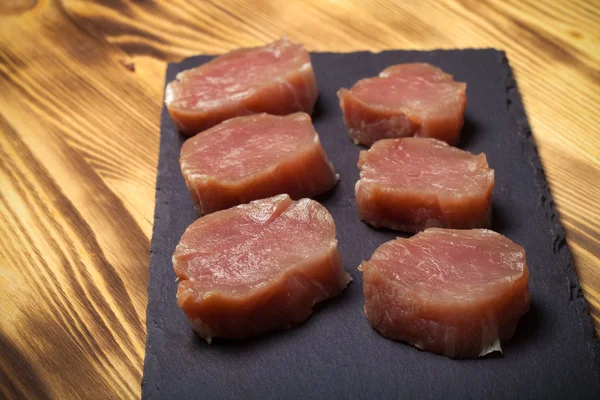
[80, 94]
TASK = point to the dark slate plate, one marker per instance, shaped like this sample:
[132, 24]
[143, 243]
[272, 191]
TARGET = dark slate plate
[336, 354]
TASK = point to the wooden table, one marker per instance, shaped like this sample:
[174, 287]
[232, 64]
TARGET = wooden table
[80, 95]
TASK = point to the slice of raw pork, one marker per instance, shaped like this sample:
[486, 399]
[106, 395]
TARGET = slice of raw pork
[411, 184]
[257, 267]
[405, 100]
[452, 292]
[253, 157]
[277, 79]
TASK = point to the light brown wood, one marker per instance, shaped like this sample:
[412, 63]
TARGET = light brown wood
[80, 95]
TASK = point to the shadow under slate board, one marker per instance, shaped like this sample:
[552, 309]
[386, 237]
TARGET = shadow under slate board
[335, 353]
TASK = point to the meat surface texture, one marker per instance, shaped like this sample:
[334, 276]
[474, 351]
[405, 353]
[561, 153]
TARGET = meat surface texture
[453, 292]
[254, 157]
[411, 184]
[277, 79]
[244, 271]
[405, 100]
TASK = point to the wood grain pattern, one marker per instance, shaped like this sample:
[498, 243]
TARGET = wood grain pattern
[80, 95]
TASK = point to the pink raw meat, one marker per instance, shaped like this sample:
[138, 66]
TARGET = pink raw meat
[277, 78]
[244, 271]
[452, 292]
[405, 100]
[411, 184]
[253, 157]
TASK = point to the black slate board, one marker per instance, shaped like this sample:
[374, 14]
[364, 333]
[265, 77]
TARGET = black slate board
[336, 354]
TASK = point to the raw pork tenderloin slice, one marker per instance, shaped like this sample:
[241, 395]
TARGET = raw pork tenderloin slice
[411, 184]
[257, 267]
[453, 292]
[277, 79]
[405, 100]
[254, 157]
